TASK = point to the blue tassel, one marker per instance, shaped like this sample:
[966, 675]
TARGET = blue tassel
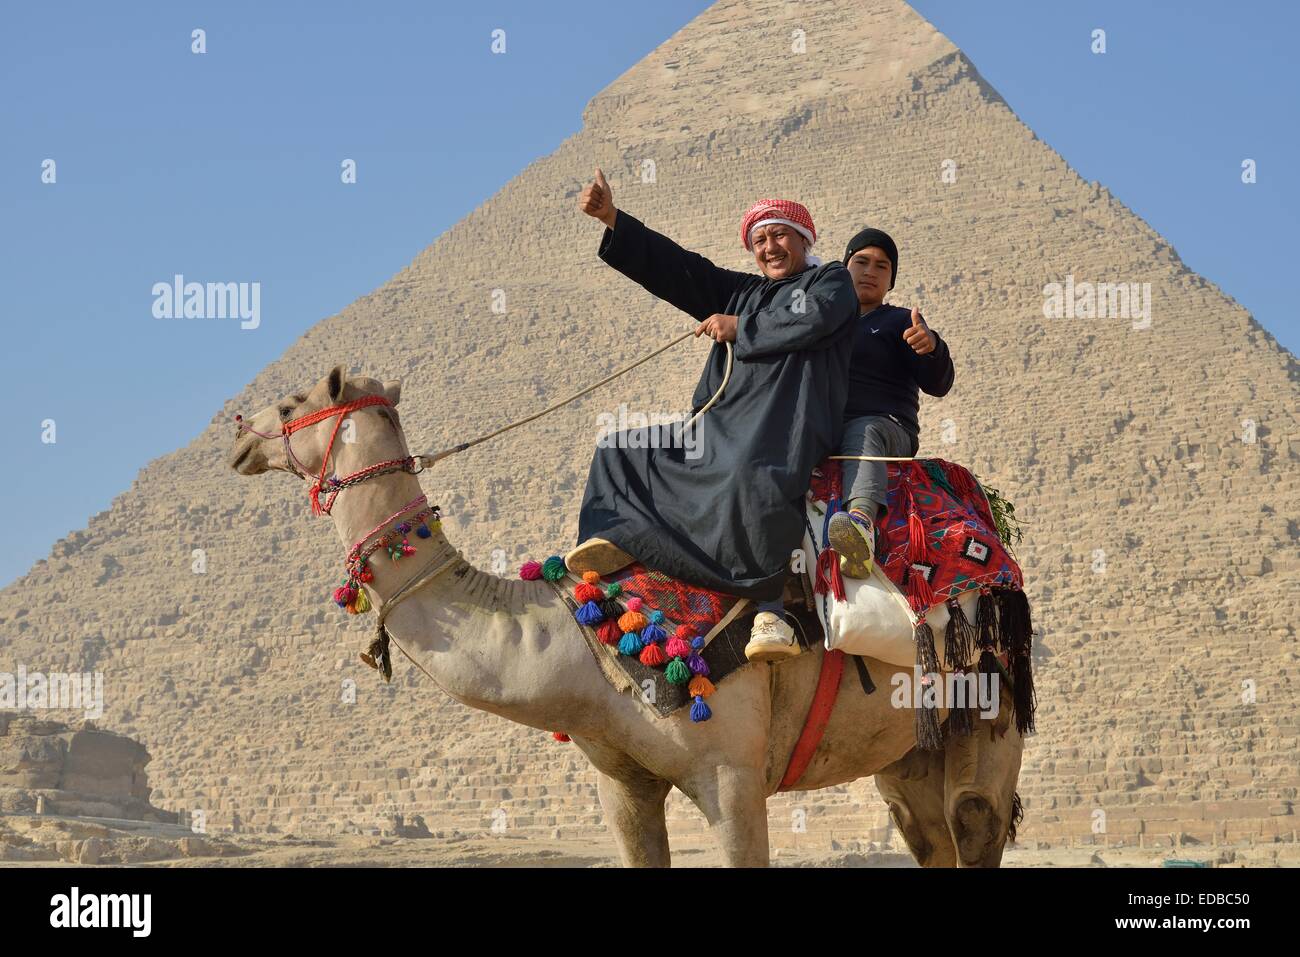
[423, 531]
[589, 614]
[655, 616]
[629, 644]
[653, 632]
[697, 642]
[700, 711]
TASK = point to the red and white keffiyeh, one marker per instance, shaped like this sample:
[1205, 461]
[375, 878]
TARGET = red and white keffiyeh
[768, 211]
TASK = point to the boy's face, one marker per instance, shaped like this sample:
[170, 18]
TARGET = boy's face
[871, 271]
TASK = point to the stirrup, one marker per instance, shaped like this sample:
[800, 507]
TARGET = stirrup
[598, 555]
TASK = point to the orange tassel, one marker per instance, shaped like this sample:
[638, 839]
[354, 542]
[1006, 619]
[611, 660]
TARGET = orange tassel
[700, 686]
[632, 621]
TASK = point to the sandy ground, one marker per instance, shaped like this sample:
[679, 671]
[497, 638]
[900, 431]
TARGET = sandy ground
[30, 841]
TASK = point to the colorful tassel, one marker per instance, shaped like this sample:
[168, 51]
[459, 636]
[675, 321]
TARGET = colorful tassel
[423, 531]
[530, 571]
[677, 673]
[589, 614]
[613, 590]
[609, 633]
[362, 602]
[560, 736]
[632, 620]
[629, 644]
[553, 568]
[700, 711]
[677, 648]
[700, 687]
[587, 593]
[656, 617]
[653, 632]
[652, 656]
[697, 664]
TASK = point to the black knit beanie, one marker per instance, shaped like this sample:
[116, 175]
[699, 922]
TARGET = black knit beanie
[879, 239]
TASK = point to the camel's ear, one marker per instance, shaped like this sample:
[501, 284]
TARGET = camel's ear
[337, 381]
[393, 391]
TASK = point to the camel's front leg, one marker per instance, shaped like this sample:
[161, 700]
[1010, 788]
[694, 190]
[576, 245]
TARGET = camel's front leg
[734, 802]
[634, 810]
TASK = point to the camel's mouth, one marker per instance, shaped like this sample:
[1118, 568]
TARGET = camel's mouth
[246, 459]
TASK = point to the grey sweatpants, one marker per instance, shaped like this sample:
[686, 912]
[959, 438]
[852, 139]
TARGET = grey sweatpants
[872, 435]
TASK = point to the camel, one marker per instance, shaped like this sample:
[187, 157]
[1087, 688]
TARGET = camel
[512, 648]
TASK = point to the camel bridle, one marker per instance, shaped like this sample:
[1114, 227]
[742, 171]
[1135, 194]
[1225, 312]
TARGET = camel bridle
[334, 484]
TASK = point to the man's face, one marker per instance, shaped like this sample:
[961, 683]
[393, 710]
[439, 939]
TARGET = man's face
[871, 271]
[778, 250]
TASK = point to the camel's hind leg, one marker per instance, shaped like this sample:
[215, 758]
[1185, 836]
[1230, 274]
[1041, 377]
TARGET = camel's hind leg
[980, 775]
[913, 787]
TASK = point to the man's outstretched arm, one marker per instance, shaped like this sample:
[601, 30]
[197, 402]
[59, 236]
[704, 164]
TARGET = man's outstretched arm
[678, 276]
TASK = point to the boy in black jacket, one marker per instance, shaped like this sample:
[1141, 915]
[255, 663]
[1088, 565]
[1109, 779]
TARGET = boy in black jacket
[894, 354]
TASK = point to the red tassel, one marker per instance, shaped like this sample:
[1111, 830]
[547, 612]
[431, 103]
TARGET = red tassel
[608, 632]
[922, 593]
[652, 656]
[828, 576]
[916, 550]
[560, 736]
[314, 495]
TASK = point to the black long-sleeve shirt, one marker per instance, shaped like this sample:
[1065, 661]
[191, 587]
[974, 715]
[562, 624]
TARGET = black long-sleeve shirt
[886, 373]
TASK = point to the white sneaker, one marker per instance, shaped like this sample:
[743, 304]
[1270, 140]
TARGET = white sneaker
[771, 639]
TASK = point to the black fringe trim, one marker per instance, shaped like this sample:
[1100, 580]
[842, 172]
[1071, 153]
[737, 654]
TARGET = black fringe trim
[1017, 815]
[928, 735]
[1016, 639]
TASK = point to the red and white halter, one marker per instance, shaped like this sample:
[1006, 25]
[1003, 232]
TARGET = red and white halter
[334, 484]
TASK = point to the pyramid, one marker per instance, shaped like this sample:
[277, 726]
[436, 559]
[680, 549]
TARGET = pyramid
[1154, 467]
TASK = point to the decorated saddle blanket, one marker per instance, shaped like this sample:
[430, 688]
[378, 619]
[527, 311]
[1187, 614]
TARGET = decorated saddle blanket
[670, 642]
[943, 563]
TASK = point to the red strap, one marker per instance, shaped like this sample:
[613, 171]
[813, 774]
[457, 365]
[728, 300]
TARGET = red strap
[819, 714]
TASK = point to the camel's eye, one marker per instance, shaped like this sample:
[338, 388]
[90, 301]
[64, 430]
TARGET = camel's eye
[284, 411]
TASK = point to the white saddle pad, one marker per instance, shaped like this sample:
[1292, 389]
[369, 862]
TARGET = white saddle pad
[876, 619]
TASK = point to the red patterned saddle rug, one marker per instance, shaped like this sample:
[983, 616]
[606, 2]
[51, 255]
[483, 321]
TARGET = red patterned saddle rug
[939, 539]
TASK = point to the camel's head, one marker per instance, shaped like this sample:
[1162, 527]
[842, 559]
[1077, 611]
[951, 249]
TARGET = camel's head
[260, 444]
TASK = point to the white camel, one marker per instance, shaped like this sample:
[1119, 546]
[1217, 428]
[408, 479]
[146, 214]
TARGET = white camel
[512, 648]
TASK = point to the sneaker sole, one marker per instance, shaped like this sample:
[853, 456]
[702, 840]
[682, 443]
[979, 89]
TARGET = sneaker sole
[855, 555]
[769, 652]
[600, 557]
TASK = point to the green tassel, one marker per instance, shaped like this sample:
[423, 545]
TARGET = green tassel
[553, 568]
[677, 673]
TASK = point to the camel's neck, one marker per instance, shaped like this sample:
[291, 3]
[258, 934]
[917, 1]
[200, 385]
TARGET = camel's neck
[489, 642]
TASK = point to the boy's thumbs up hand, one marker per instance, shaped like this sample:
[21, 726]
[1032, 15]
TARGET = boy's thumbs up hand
[918, 334]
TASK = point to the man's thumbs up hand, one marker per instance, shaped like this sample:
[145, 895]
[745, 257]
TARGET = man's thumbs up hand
[918, 335]
[597, 200]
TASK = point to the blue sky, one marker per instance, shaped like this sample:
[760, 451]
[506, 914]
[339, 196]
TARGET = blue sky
[227, 165]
